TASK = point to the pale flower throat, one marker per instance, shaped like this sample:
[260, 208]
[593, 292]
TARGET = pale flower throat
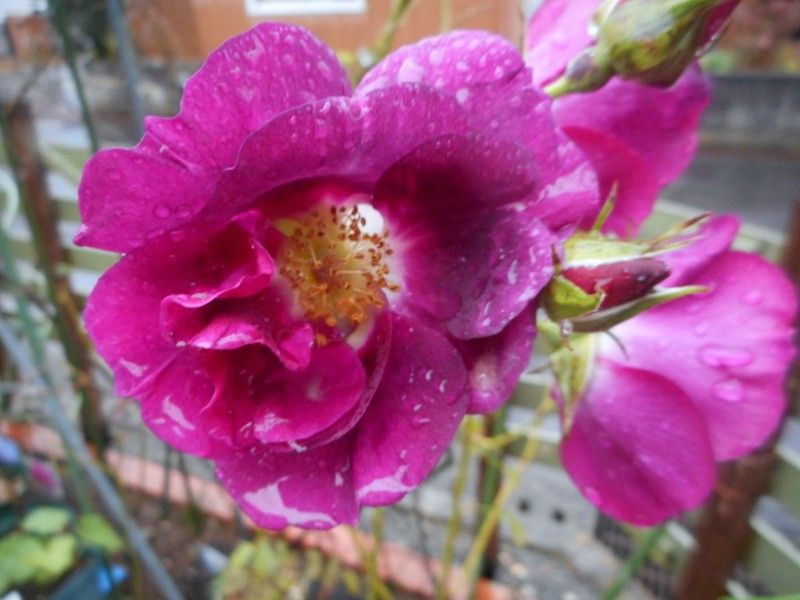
[336, 269]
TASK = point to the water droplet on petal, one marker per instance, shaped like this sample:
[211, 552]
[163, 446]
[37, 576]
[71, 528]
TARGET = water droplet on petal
[713, 355]
[753, 298]
[162, 211]
[729, 390]
[694, 308]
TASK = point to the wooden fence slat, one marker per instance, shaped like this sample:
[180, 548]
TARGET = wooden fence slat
[774, 558]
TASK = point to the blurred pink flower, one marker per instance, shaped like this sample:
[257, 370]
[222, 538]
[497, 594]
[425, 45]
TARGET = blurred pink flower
[685, 385]
[318, 283]
[45, 476]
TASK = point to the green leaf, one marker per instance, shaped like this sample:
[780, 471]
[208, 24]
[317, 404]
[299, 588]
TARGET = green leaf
[17, 566]
[55, 558]
[46, 520]
[94, 531]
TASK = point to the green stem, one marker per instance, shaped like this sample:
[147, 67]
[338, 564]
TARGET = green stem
[446, 18]
[383, 44]
[631, 566]
[510, 483]
[61, 26]
[456, 514]
[374, 582]
[491, 470]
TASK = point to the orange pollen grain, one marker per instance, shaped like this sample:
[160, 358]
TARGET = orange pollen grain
[335, 268]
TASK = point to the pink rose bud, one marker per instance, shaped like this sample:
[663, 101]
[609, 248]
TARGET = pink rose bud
[620, 282]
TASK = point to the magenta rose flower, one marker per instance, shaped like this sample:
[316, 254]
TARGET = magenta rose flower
[680, 387]
[319, 282]
[639, 137]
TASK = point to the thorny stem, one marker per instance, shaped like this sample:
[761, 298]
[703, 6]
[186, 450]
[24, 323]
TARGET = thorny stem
[456, 515]
[510, 483]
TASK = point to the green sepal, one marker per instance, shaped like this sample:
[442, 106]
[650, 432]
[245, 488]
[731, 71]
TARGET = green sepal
[595, 247]
[605, 320]
[563, 299]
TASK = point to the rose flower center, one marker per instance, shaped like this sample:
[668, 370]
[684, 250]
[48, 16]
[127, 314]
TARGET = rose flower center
[335, 267]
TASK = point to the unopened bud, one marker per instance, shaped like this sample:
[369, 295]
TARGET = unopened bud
[650, 41]
[618, 282]
[601, 281]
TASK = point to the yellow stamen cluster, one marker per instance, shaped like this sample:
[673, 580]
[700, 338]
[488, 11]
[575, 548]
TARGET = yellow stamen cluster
[336, 269]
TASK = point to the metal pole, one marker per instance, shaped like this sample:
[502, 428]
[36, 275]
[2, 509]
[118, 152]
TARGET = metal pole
[104, 488]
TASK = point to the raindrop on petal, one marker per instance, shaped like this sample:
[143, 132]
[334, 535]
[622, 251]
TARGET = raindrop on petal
[729, 390]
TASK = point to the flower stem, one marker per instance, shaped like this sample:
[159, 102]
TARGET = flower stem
[374, 583]
[370, 562]
[456, 515]
[631, 566]
[510, 483]
[59, 20]
[383, 44]
[446, 18]
[490, 471]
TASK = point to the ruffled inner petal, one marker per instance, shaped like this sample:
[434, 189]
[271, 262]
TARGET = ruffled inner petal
[230, 323]
[257, 401]
[198, 264]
